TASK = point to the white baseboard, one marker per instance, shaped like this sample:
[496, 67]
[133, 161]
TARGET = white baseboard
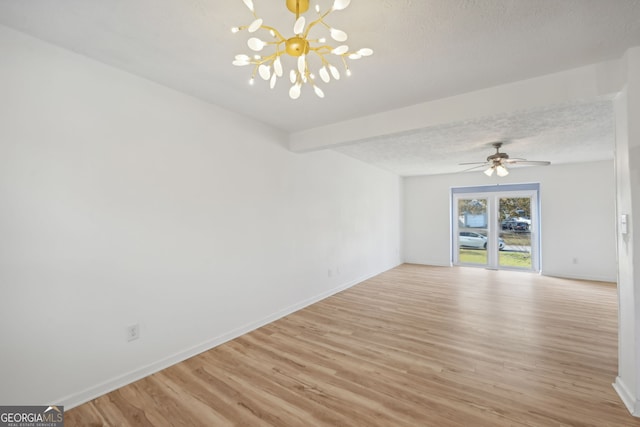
[428, 264]
[628, 399]
[76, 399]
[579, 276]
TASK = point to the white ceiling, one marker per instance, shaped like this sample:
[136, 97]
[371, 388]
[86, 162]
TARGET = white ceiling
[424, 50]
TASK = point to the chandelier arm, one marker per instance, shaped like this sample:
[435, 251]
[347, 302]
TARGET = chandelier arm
[320, 55]
[278, 53]
[314, 23]
[305, 76]
[323, 59]
[317, 49]
[302, 79]
[264, 59]
[275, 43]
[276, 32]
[308, 76]
[255, 70]
[310, 80]
[344, 61]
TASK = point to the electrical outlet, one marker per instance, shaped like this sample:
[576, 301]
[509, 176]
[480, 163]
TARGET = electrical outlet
[133, 332]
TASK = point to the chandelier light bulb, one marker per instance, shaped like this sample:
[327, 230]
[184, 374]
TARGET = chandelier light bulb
[489, 171]
[302, 64]
[255, 25]
[242, 60]
[334, 72]
[308, 59]
[338, 35]
[249, 4]
[277, 67]
[294, 92]
[264, 71]
[340, 50]
[324, 74]
[340, 4]
[256, 44]
[298, 27]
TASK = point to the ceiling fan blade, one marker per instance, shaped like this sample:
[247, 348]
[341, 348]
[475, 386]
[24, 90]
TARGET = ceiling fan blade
[500, 160]
[484, 165]
[533, 162]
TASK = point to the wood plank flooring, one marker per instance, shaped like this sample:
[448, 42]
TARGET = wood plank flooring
[415, 346]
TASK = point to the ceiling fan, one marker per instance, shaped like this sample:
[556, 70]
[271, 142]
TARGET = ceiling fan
[498, 162]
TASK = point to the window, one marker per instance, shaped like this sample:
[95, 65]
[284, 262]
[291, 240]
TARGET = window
[496, 226]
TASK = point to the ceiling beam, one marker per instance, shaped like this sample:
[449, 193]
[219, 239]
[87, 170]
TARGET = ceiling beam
[578, 84]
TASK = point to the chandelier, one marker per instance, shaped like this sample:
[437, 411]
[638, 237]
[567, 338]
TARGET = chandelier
[270, 66]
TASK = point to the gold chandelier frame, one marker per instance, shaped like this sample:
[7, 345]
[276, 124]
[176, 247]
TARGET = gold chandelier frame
[270, 67]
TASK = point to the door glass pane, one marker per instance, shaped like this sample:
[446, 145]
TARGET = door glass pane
[472, 231]
[514, 216]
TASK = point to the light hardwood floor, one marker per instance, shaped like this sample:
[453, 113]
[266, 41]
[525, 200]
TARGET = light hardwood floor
[415, 346]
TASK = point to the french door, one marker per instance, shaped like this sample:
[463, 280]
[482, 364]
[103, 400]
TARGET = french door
[496, 228]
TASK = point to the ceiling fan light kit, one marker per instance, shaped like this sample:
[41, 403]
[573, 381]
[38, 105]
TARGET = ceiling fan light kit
[500, 170]
[300, 47]
[498, 162]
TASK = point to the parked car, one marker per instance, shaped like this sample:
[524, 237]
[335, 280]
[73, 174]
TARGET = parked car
[515, 225]
[471, 239]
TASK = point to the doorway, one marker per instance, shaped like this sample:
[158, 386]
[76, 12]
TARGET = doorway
[496, 227]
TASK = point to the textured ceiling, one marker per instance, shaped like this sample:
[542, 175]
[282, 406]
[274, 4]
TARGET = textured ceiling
[562, 134]
[424, 50]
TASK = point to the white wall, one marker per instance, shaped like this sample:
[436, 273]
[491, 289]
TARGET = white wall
[628, 203]
[577, 216]
[125, 202]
